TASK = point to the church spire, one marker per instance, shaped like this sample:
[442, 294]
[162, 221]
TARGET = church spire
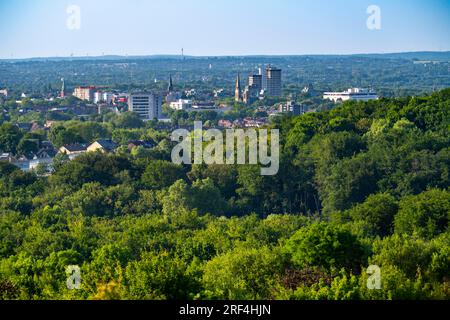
[237, 92]
[170, 87]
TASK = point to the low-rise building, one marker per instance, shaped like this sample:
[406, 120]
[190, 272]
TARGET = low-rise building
[22, 163]
[6, 157]
[98, 97]
[104, 146]
[204, 106]
[35, 163]
[140, 143]
[73, 150]
[254, 123]
[49, 124]
[227, 124]
[181, 104]
[190, 93]
[292, 107]
[103, 97]
[24, 126]
[173, 97]
[36, 127]
[46, 153]
[357, 94]
[4, 92]
[219, 93]
[121, 98]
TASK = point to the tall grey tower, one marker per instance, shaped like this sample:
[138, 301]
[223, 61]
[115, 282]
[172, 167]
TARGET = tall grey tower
[273, 82]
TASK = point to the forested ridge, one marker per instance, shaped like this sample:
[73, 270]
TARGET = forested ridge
[363, 184]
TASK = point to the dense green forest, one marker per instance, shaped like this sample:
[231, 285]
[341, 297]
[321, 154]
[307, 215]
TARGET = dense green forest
[363, 184]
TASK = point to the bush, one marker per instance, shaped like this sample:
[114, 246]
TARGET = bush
[426, 214]
[377, 213]
[325, 245]
[242, 274]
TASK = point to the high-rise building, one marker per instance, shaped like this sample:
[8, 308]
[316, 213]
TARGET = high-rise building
[84, 93]
[255, 81]
[237, 92]
[273, 82]
[146, 105]
[250, 94]
[253, 89]
[264, 76]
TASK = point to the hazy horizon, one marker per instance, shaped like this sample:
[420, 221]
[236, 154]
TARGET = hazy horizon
[228, 56]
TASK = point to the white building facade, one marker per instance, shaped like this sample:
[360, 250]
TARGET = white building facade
[146, 105]
[181, 104]
[356, 94]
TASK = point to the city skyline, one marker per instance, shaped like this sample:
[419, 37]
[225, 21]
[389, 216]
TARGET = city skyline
[223, 28]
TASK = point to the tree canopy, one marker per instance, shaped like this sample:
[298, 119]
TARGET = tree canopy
[363, 184]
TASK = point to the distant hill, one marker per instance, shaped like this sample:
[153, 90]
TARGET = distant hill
[105, 58]
[434, 56]
[424, 55]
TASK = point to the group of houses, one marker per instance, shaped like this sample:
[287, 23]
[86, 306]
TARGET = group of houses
[44, 156]
[242, 123]
[74, 150]
[47, 153]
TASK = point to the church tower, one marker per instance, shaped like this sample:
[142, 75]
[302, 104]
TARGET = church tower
[63, 89]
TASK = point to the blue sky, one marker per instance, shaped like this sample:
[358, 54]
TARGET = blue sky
[37, 28]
